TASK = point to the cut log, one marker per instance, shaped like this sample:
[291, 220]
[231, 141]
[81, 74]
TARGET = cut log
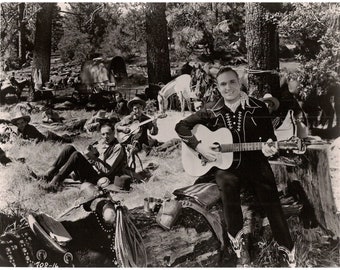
[320, 178]
[190, 243]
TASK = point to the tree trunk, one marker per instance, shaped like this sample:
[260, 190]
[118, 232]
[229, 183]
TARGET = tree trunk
[42, 41]
[157, 44]
[21, 34]
[262, 50]
[319, 178]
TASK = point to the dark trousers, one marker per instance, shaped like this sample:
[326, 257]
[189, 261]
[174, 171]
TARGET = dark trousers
[260, 178]
[51, 136]
[70, 160]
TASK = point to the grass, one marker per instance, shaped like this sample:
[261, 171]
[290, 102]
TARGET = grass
[20, 194]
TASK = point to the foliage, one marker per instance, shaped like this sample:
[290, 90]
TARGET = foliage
[10, 30]
[108, 29]
[125, 36]
[304, 24]
[74, 45]
[185, 41]
[318, 75]
[213, 26]
[57, 27]
[84, 30]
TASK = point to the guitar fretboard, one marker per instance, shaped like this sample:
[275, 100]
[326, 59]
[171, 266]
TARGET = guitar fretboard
[239, 147]
[253, 146]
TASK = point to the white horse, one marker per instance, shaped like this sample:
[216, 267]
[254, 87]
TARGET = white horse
[180, 86]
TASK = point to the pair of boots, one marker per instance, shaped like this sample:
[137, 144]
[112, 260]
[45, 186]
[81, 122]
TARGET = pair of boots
[52, 180]
[240, 245]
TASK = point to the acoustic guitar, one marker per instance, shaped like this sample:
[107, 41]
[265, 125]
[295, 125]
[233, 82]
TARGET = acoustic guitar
[134, 128]
[196, 165]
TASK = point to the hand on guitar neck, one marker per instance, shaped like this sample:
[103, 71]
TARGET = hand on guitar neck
[269, 148]
[125, 132]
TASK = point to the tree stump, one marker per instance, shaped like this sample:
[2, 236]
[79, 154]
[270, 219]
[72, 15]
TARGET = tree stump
[319, 178]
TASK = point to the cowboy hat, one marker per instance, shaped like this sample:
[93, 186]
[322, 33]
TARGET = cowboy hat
[50, 231]
[120, 184]
[20, 115]
[269, 97]
[136, 100]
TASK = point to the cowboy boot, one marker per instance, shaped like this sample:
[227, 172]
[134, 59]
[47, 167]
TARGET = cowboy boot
[54, 185]
[288, 256]
[240, 245]
[51, 172]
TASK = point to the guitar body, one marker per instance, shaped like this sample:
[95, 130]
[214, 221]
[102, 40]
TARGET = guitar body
[123, 137]
[192, 161]
[135, 128]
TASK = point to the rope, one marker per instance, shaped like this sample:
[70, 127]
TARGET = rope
[258, 71]
[130, 249]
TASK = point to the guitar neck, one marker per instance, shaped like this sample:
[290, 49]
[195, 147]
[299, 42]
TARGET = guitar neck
[240, 147]
[145, 122]
[254, 146]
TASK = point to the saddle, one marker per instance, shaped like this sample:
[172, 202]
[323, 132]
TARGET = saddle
[50, 231]
[201, 197]
[204, 194]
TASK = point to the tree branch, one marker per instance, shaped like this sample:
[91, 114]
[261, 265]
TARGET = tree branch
[94, 13]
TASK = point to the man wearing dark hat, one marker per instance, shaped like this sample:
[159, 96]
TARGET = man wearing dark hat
[104, 158]
[136, 105]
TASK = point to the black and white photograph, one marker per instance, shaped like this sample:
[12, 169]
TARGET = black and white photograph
[170, 134]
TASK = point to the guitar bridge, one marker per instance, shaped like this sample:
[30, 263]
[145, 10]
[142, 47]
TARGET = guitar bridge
[204, 161]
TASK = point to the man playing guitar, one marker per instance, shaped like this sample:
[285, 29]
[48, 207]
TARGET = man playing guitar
[249, 119]
[136, 136]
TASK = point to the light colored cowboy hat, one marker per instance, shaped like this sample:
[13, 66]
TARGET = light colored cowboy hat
[136, 100]
[269, 97]
[50, 231]
[20, 115]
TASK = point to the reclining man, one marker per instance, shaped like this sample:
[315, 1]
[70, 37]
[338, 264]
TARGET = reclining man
[104, 158]
[30, 132]
[252, 123]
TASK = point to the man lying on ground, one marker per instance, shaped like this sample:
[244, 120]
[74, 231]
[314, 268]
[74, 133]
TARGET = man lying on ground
[30, 132]
[104, 158]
